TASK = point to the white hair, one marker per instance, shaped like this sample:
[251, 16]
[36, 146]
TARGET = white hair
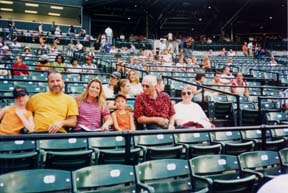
[151, 79]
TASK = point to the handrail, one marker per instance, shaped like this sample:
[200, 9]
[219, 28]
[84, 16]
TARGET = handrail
[129, 134]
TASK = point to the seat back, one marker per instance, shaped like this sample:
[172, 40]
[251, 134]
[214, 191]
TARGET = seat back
[69, 154]
[112, 150]
[225, 135]
[18, 155]
[279, 133]
[284, 156]
[36, 181]
[258, 159]
[274, 118]
[17, 146]
[155, 140]
[107, 142]
[213, 164]
[166, 175]
[192, 138]
[105, 178]
[63, 144]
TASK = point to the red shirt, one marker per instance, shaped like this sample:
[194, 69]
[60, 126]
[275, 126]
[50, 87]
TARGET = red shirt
[18, 69]
[160, 107]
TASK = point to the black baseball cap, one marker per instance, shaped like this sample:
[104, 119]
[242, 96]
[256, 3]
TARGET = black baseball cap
[20, 91]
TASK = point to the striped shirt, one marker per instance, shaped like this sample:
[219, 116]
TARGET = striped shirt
[90, 115]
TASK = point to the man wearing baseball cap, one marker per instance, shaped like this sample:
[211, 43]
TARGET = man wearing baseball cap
[43, 63]
[109, 88]
[16, 119]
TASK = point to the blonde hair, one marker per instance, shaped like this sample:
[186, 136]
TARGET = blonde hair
[100, 100]
[136, 75]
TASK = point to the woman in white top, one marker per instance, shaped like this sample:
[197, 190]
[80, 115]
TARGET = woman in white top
[135, 85]
[189, 113]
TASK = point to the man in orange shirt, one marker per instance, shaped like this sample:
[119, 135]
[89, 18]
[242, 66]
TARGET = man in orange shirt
[245, 49]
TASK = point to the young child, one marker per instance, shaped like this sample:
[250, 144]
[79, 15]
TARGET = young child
[122, 118]
[16, 119]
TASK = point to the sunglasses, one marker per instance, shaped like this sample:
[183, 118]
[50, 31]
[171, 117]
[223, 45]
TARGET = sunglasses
[186, 93]
[145, 86]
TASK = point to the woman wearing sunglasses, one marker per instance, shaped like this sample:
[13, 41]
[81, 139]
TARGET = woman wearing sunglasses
[190, 114]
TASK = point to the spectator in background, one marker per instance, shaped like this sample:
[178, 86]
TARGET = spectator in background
[53, 110]
[74, 67]
[223, 52]
[215, 84]
[229, 61]
[43, 63]
[26, 53]
[122, 118]
[19, 69]
[15, 44]
[79, 46]
[160, 87]
[231, 53]
[135, 85]
[56, 42]
[200, 78]
[273, 62]
[109, 35]
[109, 88]
[5, 53]
[82, 33]
[92, 108]
[59, 64]
[153, 108]
[58, 31]
[53, 28]
[11, 26]
[226, 76]
[245, 49]
[240, 87]
[190, 114]
[40, 28]
[206, 63]
[71, 31]
[123, 87]
[89, 67]
[16, 119]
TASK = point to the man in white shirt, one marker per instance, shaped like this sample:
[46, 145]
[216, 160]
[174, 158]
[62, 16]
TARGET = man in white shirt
[109, 35]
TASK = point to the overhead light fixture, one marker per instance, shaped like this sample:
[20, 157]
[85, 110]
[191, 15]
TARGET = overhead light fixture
[32, 5]
[7, 2]
[56, 7]
[6, 9]
[31, 11]
[54, 14]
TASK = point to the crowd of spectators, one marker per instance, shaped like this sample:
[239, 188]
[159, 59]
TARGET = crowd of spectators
[54, 111]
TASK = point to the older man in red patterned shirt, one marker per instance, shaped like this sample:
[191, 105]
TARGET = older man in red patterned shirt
[153, 108]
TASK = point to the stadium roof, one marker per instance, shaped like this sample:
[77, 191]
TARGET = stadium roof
[207, 17]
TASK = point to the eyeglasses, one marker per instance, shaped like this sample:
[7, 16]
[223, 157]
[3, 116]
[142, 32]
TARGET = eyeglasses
[145, 86]
[186, 93]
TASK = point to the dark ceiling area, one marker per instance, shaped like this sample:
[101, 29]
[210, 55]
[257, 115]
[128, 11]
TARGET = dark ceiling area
[195, 17]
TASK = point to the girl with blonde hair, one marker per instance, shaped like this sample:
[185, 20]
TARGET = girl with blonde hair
[135, 85]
